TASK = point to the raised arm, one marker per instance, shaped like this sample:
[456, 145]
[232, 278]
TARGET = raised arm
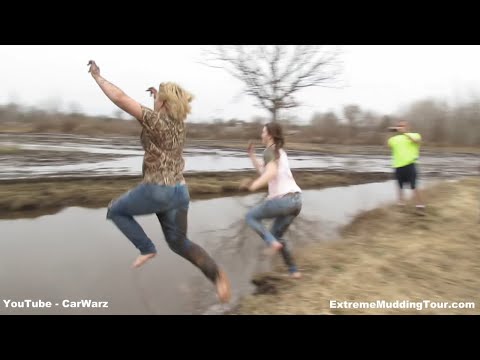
[416, 139]
[115, 94]
[257, 164]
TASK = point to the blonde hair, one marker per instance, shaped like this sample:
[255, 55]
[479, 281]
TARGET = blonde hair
[176, 100]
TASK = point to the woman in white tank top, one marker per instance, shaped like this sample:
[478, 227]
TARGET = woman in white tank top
[284, 201]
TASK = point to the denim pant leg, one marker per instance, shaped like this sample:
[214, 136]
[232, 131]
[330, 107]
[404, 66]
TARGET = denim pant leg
[174, 225]
[272, 208]
[279, 227]
[138, 201]
[254, 219]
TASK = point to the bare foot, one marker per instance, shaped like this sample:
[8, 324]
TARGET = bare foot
[420, 210]
[274, 247]
[223, 287]
[296, 275]
[142, 259]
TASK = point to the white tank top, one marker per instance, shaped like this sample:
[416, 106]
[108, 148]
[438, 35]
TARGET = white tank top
[284, 182]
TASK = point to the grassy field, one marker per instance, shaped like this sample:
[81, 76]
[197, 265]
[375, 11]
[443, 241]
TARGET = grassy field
[31, 198]
[390, 254]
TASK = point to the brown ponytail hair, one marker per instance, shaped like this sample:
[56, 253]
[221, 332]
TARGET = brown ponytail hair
[275, 131]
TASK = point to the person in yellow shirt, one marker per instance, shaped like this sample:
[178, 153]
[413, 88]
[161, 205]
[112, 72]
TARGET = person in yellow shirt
[405, 147]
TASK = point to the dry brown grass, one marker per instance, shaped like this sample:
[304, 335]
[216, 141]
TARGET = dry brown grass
[31, 198]
[390, 254]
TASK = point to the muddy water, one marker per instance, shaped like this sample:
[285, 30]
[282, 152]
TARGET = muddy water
[73, 155]
[78, 255]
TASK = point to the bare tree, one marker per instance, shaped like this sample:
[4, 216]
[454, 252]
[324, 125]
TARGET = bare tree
[52, 105]
[326, 124]
[74, 108]
[429, 117]
[273, 74]
[370, 119]
[352, 114]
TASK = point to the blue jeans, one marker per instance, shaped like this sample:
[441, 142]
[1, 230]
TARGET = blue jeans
[284, 210]
[170, 204]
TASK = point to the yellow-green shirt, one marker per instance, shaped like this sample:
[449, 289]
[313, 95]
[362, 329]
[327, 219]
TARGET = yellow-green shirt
[404, 150]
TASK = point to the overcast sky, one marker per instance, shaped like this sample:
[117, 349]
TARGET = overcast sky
[376, 77]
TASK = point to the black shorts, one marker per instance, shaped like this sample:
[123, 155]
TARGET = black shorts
[406, 174]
